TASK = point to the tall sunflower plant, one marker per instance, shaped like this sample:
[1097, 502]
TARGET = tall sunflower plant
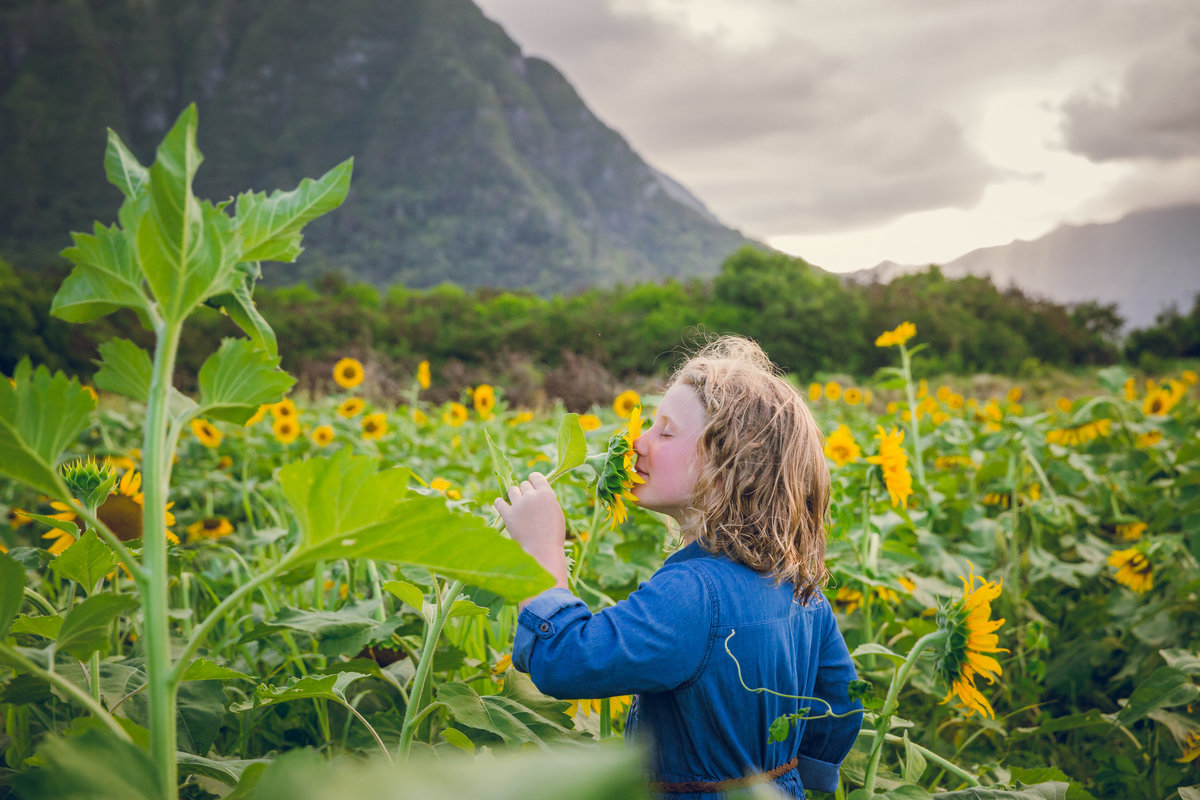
[169, 254]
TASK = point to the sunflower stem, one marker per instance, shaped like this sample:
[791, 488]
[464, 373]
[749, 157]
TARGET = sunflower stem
[156, 448]
[201, 632]
[914, 426]
[941, 761]
[883, 719]
[432, 631]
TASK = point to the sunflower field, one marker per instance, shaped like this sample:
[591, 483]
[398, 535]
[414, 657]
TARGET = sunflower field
[249, 594]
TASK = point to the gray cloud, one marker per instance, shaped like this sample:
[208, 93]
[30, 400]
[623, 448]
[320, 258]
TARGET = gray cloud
[1154, 114]
[838, 115]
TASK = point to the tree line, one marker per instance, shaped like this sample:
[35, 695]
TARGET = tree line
[809, 321]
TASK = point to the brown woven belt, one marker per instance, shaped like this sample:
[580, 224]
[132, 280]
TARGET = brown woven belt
[723, 786]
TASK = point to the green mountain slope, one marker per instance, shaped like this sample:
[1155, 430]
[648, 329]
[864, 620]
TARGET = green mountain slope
[474, 164]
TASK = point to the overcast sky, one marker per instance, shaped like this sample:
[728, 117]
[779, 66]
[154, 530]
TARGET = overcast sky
[853, 131]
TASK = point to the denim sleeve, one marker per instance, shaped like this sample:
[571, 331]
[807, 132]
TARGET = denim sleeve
[826, 741]
[655, 640]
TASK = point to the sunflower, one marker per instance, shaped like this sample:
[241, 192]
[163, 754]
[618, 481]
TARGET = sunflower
[224, 462]
[1130, 389]
[286, 429]
[833, 391]
[589, 422]
[206, 432]
[952, 462]
[1189, 377]
[1158, 402]
[1149, 439]
[814, 392]
[374, 426]
[1191, 747]
[322, 435]
[348, 373]
[970, 636]
[1134, 570]
[484, 398]
[616, 706]
[500, 667]
[209, 528]
[841, 447]
[893, 460]
[284, 409]
[1080, 434]
[351, 407]
[1132, 531]
[419, 416]
[122, 511]
[17, 518]
[626, 402]
[445, 487]
[258, 415]
[853, 396]
[423, 374]
[1064, 404]
[455, 415]
[847, 600]
[956, 401]
[902, 333]
[616, 476]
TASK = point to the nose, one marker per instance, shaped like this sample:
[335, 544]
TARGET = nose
[639, 445]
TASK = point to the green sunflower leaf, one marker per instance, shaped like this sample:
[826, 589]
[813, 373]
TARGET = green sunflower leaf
[572, 445]
[85, 629]
[519, 714]
[329, 687]
[125, 369]
[47, 627]
[185, 246]
[238, 378]
[93, 764]
[86, 562]
[122, 169]
[346, 509]
[501, 467]
[202, 669]
[239, 306]
[270, 226]
[1164, 688]
[39, 417]
[106, 277]
[12, 591]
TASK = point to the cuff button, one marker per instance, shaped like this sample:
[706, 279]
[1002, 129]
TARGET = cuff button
[544, 627]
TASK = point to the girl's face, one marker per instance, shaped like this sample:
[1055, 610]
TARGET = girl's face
[667, 453]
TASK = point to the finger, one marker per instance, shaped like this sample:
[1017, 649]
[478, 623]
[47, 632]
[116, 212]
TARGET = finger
[539, 480]
[501, 506]
[526, 486]
[514, 492]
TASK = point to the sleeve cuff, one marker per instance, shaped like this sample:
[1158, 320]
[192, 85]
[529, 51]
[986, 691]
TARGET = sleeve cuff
[817, 774]
[536, 621]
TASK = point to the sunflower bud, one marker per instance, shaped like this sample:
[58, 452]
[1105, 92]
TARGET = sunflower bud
[90, 480]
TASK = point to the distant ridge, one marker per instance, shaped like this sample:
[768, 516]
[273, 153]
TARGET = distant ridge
[474, 163]
[1143, 262]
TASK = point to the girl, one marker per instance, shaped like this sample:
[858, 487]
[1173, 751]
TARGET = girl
[735, 457]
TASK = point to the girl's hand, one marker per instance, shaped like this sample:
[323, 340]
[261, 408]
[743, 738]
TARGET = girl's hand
[535, 520]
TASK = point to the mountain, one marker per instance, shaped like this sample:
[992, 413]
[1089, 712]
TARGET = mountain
[1143, 262]
[473, 163]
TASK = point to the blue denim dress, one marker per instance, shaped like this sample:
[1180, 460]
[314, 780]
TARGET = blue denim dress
[666, 644]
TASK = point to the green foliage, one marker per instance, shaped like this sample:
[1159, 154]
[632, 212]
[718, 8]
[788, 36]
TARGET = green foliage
[86, 562]
[40, 414]
[345, 509]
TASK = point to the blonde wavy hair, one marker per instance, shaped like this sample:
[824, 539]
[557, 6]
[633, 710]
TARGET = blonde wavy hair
[762, 489]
